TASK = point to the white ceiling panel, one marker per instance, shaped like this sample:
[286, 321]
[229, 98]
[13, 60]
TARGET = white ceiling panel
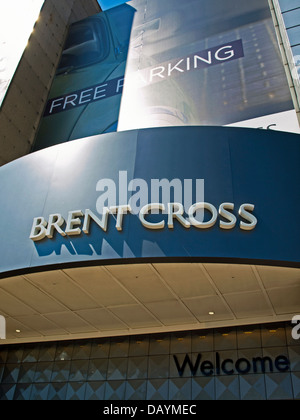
[27, 292]
[171, 312]
[71, 322]
[140, 298]
[142, 281]
[41, 325]
[102, 319]
[12, 306]
[186, 280]
[279, 276]
[232, 278]
[285, 300]
[201, 307]
[101, 285]
[249, 304]
[60, 286]
[135, 316]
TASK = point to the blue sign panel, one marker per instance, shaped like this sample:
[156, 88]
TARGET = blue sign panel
[186, 193]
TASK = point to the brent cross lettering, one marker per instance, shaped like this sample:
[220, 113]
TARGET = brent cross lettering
[42, 228]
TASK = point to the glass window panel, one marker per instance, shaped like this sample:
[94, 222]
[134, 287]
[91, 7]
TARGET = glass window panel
[60, 371]
[296, 52]
[136, 390]
[22, 392]
[10, 373]
[138, 345]
[159, 344]
[114, 390]
[157, 389]
[1, 371]
[43, 371]
[248, 336]
[14, 354]
[273, 335]
[7, 391]
[291, 18]
[57, 391]
[139, 376]
[294, 358]
[64, 351]
[158, 366]
[95, 390]
[296, 384]
[30, 353]
[119, 347]
[180, 389]
[294, 35]
[181, 343]
[78, 370]
[97, 370]
[272, 353]
[76, 391]
[26, 373]
[117, 368]
[137, 367]
[225, 339]
[100, 348]
[227, 387]
[288, 4]
[249, 354]
[39, 391]
[3, 355]
[202, 340]
[81, 350]
[203, 388]
[278, 386]
[252, 387]
[47, 352]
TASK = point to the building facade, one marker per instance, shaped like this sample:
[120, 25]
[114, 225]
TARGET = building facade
[149, 246]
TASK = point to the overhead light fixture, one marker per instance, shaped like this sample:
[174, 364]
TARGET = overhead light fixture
[18, 331]
[211, 313]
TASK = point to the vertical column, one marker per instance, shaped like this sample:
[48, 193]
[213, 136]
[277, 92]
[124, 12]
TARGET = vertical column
[286, 15]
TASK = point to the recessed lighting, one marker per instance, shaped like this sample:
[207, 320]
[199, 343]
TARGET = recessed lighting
[18, 331]
[211, 313]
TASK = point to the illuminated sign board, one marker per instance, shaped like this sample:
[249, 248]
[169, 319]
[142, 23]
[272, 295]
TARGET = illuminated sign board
[214, 194]
[153, 63]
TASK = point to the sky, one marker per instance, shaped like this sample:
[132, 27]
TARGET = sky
[23, 14]
[108, 4]
[12, 42]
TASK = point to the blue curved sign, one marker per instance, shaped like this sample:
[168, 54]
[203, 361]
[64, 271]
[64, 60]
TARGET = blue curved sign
[84, 202]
